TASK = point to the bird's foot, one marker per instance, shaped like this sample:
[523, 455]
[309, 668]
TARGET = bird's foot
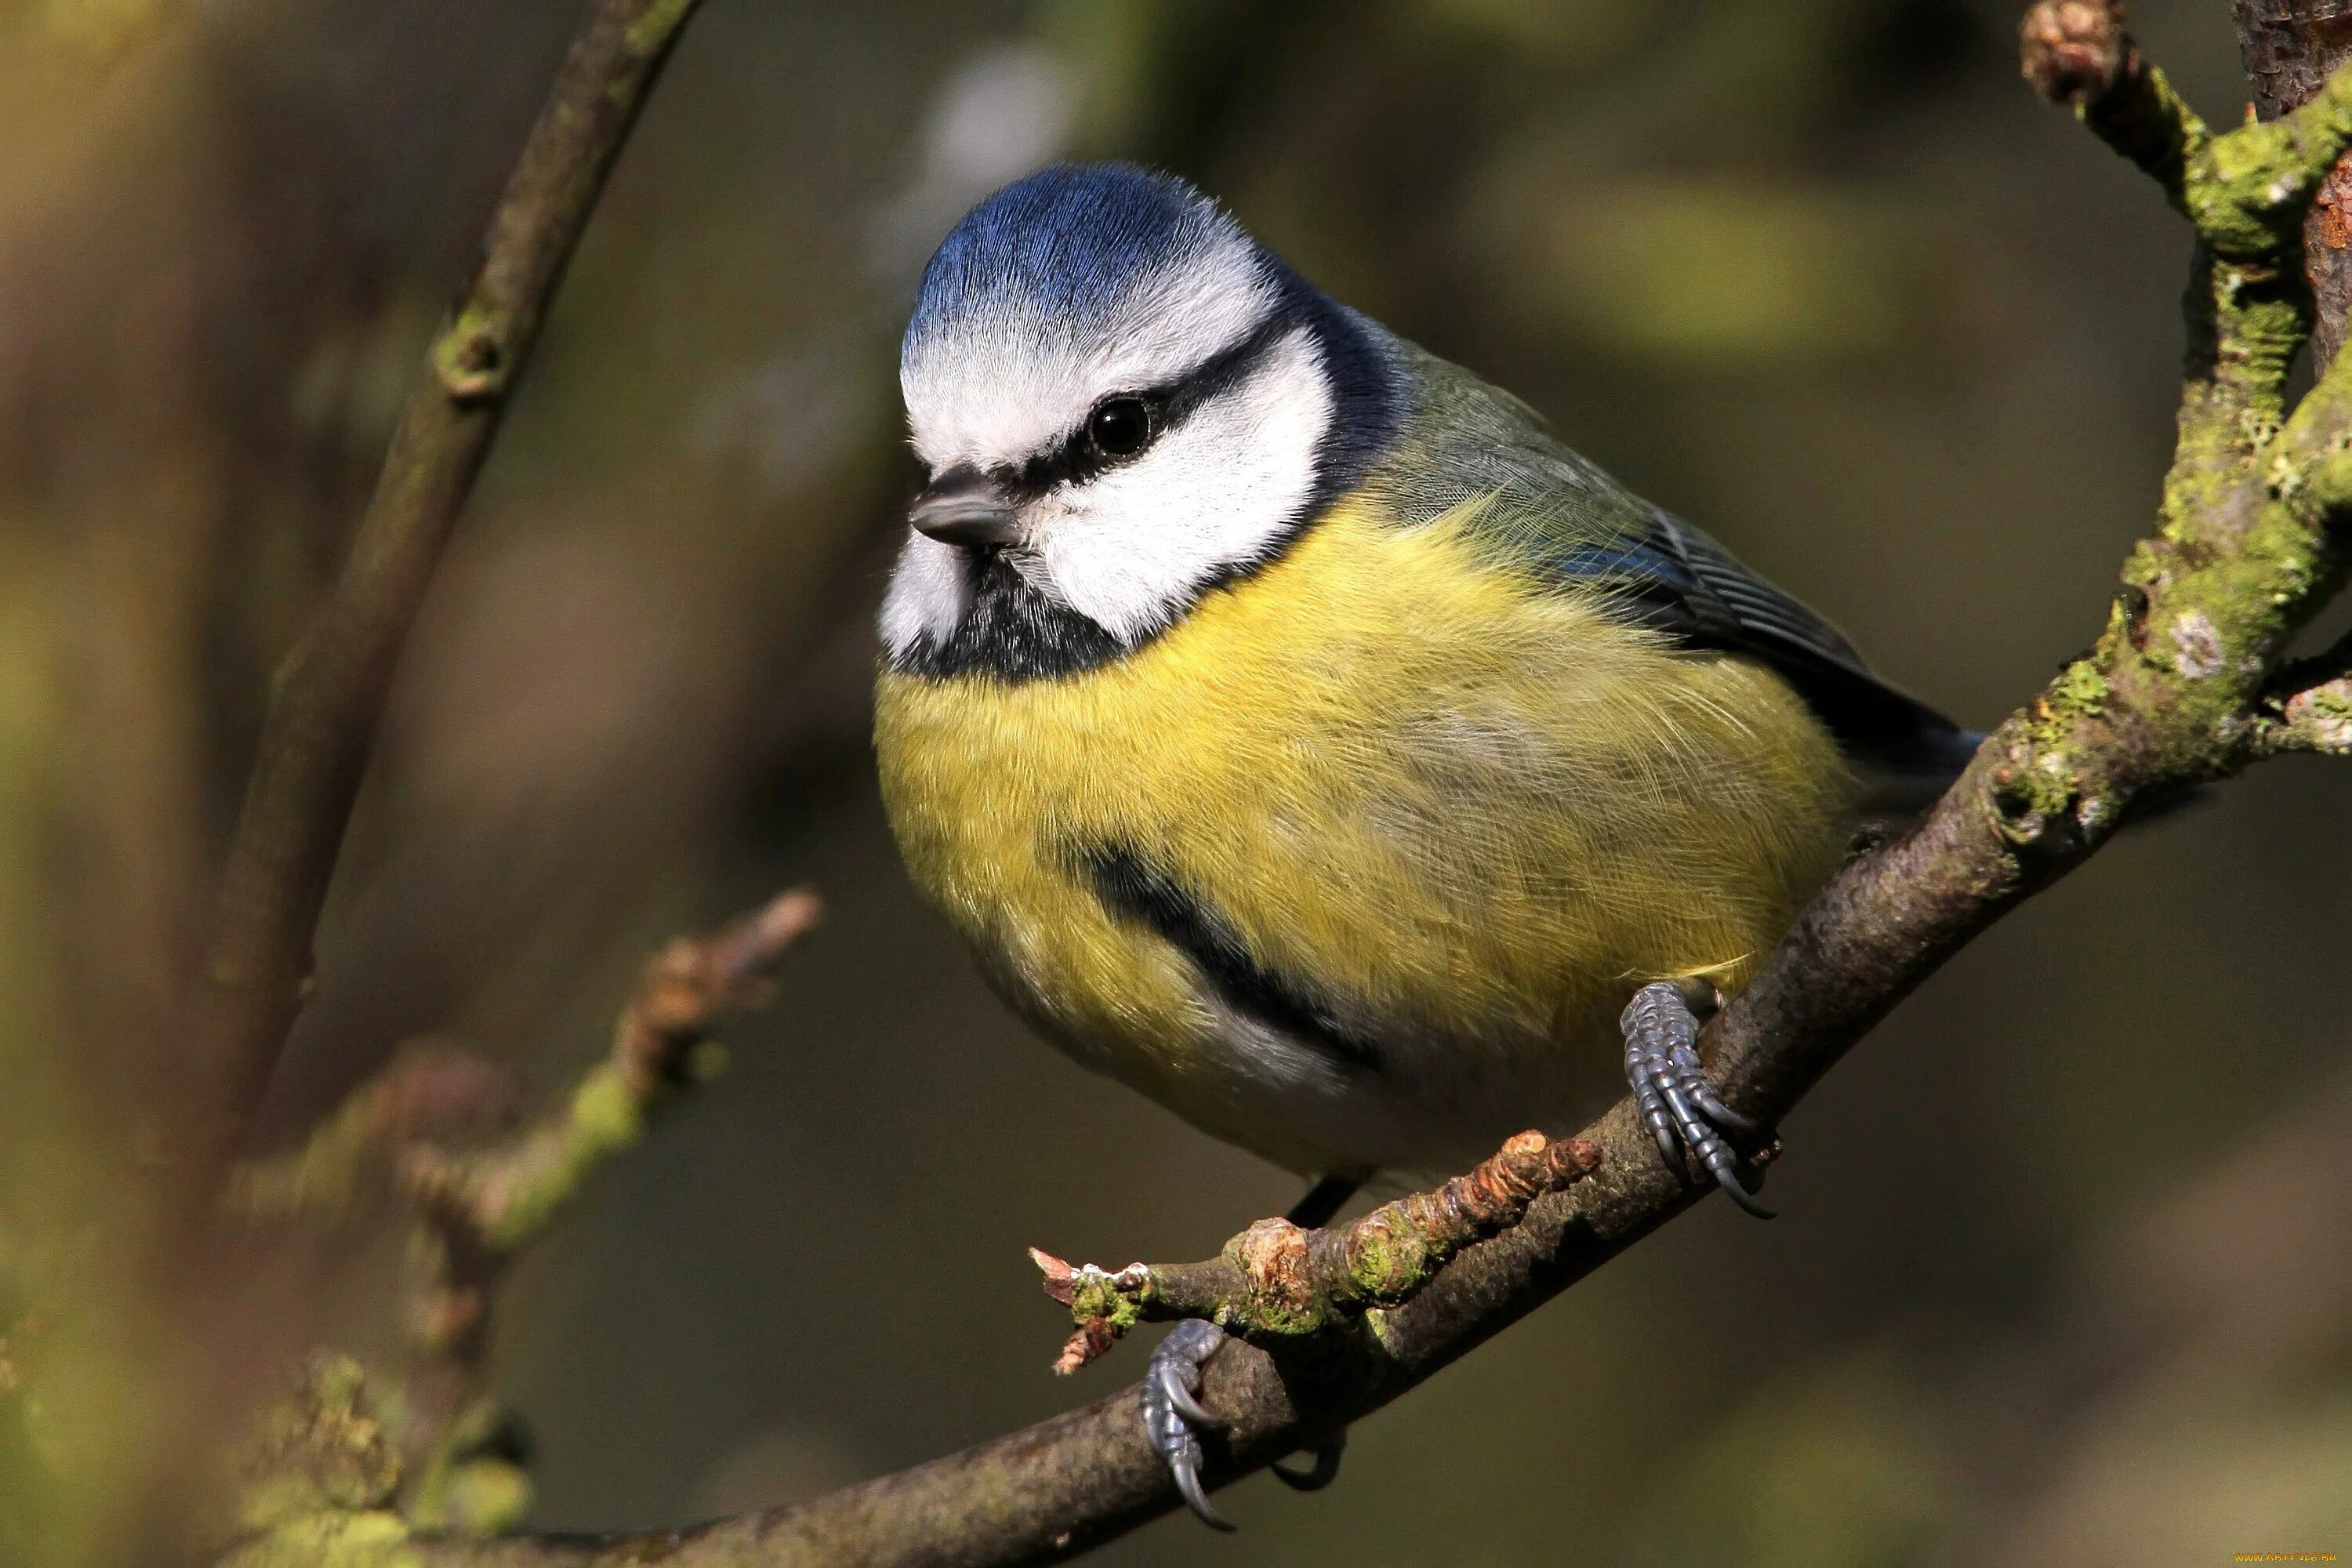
[1173, 1416]
[1172, 1411]
[1671, 1091]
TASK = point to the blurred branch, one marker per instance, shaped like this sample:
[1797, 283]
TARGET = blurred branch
[2177, 691]
[478, 1211]
[453, 1453]
[328, 696]
[485, 1207]
[428, 1089]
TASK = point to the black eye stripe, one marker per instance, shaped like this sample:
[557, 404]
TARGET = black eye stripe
[1076, 459]
[1016, 634]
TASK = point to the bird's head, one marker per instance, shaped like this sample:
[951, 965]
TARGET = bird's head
[1122, 400]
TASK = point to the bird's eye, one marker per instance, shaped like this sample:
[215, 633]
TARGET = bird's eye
[1120, 426]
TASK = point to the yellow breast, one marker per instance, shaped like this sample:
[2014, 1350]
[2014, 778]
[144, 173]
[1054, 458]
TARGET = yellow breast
[1475, 813]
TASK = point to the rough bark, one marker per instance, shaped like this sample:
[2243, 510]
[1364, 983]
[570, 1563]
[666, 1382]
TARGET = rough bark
[2290, 47]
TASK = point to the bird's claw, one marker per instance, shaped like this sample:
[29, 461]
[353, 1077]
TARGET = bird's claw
[1172, 1409]
[1682, 1111]
[1173, 1413]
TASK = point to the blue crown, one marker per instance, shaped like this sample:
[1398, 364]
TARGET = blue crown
[1065, 243]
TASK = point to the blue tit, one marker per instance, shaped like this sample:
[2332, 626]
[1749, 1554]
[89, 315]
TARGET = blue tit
[1298, 733]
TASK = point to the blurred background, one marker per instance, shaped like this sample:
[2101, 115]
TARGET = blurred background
[2065, 1268]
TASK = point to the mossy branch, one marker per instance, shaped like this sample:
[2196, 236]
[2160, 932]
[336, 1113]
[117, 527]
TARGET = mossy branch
[327, 697]
[1276, 1282]
[451, 1459]
[2180, 688]
[2246, 192]
[2309, 708]
[2290, 47]
[484, 1206]
[430, 1090]
[2078, 52]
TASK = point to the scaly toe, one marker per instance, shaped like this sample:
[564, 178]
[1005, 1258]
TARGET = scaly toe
[1172, 1410]
[1672, 1095]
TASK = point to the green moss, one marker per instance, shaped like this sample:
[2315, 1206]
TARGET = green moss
[2331, 705]
[1093, 1295]
[1280, 1319]
[2324, 718]
[2247, 190]
[373, 1539]
[2230, 191]
[1389, 1262]
[320, 1450]
[475, 1482]
[2081, 688]
[486, 1496]
[607, 1116]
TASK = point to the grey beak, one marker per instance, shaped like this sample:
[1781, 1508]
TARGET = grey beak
[967, 508]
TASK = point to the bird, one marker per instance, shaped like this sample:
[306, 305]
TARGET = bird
[1298, 731]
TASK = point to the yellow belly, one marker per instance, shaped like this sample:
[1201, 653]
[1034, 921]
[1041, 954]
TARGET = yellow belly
[1477, 813]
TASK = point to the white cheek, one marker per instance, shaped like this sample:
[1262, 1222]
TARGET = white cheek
[1129, 550]
[931, 590]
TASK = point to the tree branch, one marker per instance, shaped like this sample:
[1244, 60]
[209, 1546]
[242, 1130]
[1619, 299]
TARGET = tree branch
[1053, 1490]
[328, 696]
[1276, 1283]
[2290, 46]
[479, 1211]
[448, 1457]
[2078, 53]
[485, 1206]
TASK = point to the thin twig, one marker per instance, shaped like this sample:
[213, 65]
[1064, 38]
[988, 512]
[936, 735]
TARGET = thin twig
[479, 1211]
[2309, 708]
[488, 1205]
[450, 1459]
[328, 696]
[2078, 52]
[1277, 1283]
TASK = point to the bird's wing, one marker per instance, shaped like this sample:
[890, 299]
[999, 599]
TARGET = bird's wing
[1566, 521]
